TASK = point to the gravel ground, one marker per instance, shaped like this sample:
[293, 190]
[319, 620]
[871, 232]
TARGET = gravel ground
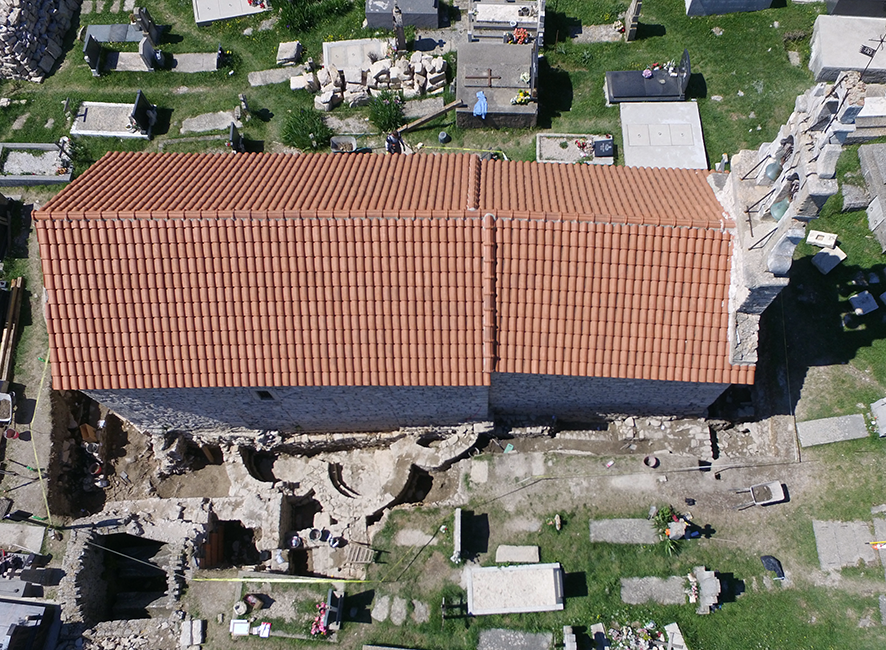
[24, 162]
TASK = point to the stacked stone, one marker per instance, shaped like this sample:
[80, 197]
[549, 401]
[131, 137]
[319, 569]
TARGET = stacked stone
[419, 74]
[138, 634]
[83, 593]
[31, 36]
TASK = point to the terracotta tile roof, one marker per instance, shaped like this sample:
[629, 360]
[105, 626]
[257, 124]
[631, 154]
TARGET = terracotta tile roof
[631, 195]
[181, 270]
[602, 300]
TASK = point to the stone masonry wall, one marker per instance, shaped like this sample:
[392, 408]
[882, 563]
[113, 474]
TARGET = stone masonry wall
[588, 397]
[31, 36]
[314, 409]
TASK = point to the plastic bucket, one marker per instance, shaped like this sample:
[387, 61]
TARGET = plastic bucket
[651, 461]
[10, 434]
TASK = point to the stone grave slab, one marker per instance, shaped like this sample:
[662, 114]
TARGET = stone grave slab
[883, 609]
[717, 7]
[17, 537]
[873, 113]
[114, 33]
[209, 11]
[479, 471]
[197, 62]
[623, 531]
[105, 120]
[878, 410]
[268, 77]
[863, 303]
[499, 639]
[514, 589]
[830, 53]
[843, 544]
[499, 72]
[821, 239]
[420, 13]
[664, 591]
[219, 121]
[828, 430]
[827, 260]
[507, 554]
[675, 637]
[663, 134]
[598, 637]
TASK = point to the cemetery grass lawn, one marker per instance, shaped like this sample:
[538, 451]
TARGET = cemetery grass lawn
[831, 370]
[801, 616]
[750, 56]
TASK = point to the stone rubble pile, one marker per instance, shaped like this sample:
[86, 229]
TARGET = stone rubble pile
[31, 36]
[138, 634]
[415, 75]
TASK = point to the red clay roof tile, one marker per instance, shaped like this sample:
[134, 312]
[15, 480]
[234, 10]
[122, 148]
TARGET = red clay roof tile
[357, 270]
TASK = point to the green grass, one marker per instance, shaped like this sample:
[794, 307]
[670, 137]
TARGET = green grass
[571, 77]
[803, 616]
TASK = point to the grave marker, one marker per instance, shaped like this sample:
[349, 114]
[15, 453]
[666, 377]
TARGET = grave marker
[92, 52]
[143, 115]
[143, 21]
[152, 58]
[235, 140]
[632, 20]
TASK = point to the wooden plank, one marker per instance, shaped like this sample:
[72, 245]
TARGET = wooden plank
[430, 116]
[7, 344]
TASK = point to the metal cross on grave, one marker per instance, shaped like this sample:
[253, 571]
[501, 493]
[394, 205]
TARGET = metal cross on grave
[488, 77]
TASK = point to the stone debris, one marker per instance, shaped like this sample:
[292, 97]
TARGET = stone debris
[398, 610]
[421, 612]
[381, 609]
[413, 76]
[32, 36]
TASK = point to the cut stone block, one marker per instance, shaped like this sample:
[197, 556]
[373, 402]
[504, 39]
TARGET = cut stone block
[863, 303]
[829, 52]
[828, 430]
[289, 53]
[822, 239]
[855, 198]
[828, 259]
[506, 554]
[664, 591]
[498, 639]
[873, 113]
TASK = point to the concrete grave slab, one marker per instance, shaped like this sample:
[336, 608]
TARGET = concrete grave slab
[821, 239]
[664, 591]
[499, 639]
[199, 62]
[209, 122]
[828, 430]
[357, 53]
[125, 62]
[507, 554]
[843, 544]
[854, 197]
[514, 589]
[104, 120]
[830, 54]
[883, 609]
[878, 410]
[209, 11]
[827, 260]
[21, 537]
[663, 134]
[127, 33]
[623, 531]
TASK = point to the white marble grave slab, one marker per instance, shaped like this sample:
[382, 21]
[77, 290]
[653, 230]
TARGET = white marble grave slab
[821, 239]
[663, 134]
[827, 260]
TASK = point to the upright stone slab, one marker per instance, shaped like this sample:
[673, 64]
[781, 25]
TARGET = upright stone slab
[92, 52]
[456, 536]
[632, 20]
[141, 18]
[151, 57]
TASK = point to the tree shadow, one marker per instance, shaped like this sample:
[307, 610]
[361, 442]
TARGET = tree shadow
[730, 587]
[556, 92]
[559, 27]
[697, 88]
[644, 31]
[164, 121]
[575, 584]
[475, 533]
[253, 146]
[358, 607]
[811, 323]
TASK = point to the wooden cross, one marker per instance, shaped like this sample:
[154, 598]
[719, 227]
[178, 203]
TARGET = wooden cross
[488, 76]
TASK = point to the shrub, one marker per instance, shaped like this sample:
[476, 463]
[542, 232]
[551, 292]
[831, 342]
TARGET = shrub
[386, 111]
[306, 130]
